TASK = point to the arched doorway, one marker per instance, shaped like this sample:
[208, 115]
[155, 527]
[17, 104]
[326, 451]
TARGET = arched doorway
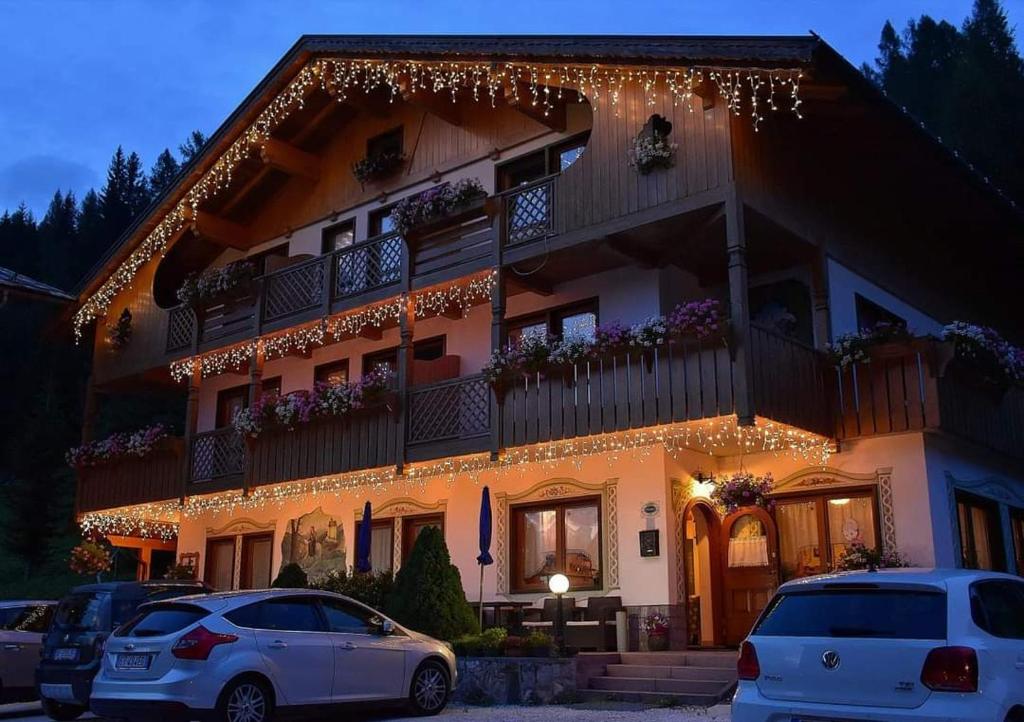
[750, 569]
[702, 563]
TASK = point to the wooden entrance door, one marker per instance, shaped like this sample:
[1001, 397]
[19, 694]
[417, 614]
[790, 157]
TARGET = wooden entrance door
[750, 569]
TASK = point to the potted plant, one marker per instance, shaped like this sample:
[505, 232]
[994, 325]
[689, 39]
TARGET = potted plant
[651, 151]
[120, 334]
[377, 166]
[444, 203]
[655, 626]
[90, 558]
[989, 360]
[236, 278]
[858, 556]
[539, 644]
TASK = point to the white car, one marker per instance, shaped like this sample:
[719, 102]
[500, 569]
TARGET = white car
[243, 656]
[896, 644]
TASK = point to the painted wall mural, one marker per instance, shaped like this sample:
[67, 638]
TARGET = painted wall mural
[316, 542]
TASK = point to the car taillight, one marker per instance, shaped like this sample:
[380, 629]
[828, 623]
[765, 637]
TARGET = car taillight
[747, 666]
[951, 669]
[198, 643]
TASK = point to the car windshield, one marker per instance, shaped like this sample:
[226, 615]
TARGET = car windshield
[870, 613]
[82, 611]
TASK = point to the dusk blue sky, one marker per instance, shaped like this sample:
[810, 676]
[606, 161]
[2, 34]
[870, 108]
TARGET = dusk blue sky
[78, 78]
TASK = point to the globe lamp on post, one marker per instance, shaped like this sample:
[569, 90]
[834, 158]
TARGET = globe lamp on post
[559, 585]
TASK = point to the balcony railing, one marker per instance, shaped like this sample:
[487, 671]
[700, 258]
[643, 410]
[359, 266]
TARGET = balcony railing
[217, 455]
[528, 211]
[913, 387]
[130, 480]
[449, 417]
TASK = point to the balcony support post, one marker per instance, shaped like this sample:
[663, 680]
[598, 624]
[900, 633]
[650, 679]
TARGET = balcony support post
[191, 422]
[89, 410]
[499, 330]
[406, 327]
[255, 392]
[819, 300]
[739, 308]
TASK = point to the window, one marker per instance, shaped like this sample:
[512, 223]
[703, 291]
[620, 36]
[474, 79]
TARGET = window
[429, 349]
[814, 532]
[271, 386]
[564, 154]
[870, 314]
[347, 618]
[578, 320]
[32, 618]
[998, 608]
[552, 538]
[380, 222]
[385, 143]
[784, 307]
[268, 260]
[748, 543]
[981, 542]
[1017, 526]
[334, 373]
[257, 554]
[413, 525]
[230, 402]
[382, 544]
[291, 614]
[338, 236]
[158, 621]
[838, 612]
[220, 563]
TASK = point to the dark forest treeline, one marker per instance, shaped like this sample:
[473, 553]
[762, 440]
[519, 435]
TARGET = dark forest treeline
[44, 373]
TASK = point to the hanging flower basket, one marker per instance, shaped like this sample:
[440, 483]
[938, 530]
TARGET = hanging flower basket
[650, 152]
[90, 558]
[984, 357]
[120, 334]
[743, 489]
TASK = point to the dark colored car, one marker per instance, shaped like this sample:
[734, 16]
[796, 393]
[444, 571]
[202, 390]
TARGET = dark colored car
[22, 625]
[72, 649]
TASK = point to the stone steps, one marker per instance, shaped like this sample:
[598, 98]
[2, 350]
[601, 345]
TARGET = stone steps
[658, 678]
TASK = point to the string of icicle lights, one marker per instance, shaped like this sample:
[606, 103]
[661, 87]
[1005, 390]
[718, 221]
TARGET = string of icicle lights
[744, 90]
[722, 435]
[461, 295]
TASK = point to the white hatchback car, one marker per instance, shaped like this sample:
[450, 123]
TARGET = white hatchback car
[242, 656]
[899, 644]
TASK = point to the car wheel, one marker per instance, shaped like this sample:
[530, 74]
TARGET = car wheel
[60, 711]
[246, 700]
[429, 692]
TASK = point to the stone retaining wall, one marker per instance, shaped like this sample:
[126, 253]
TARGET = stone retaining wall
[515, 680]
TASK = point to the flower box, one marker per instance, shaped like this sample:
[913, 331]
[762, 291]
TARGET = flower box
[443, 205]
[460, 213]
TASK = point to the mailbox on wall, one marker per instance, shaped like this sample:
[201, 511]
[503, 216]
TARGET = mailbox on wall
[649, 543]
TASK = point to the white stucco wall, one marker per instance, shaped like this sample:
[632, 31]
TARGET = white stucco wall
[844, 284]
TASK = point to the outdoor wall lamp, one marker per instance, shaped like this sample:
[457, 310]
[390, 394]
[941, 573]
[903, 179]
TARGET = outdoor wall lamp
[559, 585]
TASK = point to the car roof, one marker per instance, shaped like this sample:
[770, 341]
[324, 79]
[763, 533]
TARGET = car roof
[904, 576]
[137, 586]
[8, 603]
[218, 600]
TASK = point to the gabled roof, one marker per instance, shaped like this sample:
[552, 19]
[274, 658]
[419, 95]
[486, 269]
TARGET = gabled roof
[19, 284]
[807, 52]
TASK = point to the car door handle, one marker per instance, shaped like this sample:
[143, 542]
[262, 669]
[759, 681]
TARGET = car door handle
[348, 646]
[278, 644]
[12, 647]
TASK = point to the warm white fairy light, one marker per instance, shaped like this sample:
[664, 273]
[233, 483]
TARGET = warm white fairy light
[462, 295]
[721, 436]
[341, 77]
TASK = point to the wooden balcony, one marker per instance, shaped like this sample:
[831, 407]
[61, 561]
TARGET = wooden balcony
[917, 386]
[129, 480]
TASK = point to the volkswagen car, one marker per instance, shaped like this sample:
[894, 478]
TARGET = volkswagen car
[899, 644]
[247, 656]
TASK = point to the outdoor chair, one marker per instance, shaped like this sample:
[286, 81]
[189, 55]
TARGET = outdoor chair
[543, 619]
[597, 630]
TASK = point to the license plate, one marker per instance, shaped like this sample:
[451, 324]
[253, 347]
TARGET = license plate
[132, 661]
[66, 654]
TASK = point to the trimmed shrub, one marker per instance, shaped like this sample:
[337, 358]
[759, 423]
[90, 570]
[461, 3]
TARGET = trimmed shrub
[291, 576]
[428, 595]
[372, 589]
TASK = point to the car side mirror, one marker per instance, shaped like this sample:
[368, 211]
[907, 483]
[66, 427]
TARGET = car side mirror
[387, 627]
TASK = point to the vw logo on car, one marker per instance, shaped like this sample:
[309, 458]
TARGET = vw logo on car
[830, 659]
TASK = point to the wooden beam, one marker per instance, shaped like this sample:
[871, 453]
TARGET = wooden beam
[435, 103]
[645, 258]
[528, 284]
[372, 103]
[219, 230]
[249, 186]
[521, 98]
[373, 333]
[291, 160]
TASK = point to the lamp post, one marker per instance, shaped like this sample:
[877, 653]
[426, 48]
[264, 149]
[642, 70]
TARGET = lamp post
[559, 585]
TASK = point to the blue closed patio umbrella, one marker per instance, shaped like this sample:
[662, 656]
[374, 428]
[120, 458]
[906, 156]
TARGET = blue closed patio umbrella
[363, 541]
[484, 558]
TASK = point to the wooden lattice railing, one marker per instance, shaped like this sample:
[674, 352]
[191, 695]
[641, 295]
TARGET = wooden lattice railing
[529, 211]
[367, 266]
[217, 454]
[181, 328]
[455, 409]
[295, 289]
